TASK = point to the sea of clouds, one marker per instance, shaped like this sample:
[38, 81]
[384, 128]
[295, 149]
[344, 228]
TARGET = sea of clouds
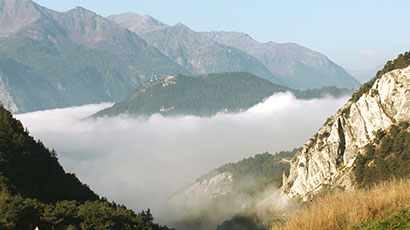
[143, 161]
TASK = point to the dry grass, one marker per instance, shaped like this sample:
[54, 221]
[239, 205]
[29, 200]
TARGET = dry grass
[344, 210]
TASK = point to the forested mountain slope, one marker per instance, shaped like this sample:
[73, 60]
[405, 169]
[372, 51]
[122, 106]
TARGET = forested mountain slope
[206, 95]
[36, 191]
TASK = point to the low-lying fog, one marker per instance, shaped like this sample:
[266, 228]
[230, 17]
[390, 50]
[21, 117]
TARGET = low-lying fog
[141, 162]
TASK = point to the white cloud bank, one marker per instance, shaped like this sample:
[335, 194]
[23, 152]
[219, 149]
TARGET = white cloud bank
[142, 162]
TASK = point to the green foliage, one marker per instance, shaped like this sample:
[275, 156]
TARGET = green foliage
[402, 61]
[17, 212]
[388, 157]
[206, 95]
[398, 221]
[31, 169]
[322, 92]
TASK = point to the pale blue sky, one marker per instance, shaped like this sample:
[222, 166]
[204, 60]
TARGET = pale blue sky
[356, 34]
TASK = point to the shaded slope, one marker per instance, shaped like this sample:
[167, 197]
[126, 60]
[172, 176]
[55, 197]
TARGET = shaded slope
[36, 191]
[30, 169]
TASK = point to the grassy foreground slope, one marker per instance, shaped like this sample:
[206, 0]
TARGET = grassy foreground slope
[386, 206]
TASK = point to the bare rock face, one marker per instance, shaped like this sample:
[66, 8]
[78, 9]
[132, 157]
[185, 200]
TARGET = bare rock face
[326, 161]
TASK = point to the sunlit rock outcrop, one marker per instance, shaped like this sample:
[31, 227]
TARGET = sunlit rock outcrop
[326, 160]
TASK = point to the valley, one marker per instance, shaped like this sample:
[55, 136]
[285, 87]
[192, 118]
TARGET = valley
[245, 116]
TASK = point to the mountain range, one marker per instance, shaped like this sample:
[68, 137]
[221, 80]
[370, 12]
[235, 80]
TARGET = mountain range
[51, 59]
[288, 64]
[297, 66]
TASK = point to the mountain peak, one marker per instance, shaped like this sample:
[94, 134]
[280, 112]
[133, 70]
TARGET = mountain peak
[86, 27]
[137, 23]
[181, 27]
[79, 10]
[179, 24]
[17, 14]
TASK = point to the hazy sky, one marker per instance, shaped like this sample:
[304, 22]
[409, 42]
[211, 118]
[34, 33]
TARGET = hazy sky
[142, 162]
[355, 34]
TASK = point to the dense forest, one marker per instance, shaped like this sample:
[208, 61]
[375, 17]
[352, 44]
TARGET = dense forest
[388, 157]
[36, 191]
[206, 95]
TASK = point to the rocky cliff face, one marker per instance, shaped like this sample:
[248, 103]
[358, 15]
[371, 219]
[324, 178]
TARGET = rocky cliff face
[326, 161]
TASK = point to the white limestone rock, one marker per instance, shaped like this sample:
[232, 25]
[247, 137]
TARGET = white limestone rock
[326, 161]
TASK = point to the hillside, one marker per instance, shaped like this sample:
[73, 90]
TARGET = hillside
[206, 95]
[360, 138]
[240, 186]
[386, 206]
[54, 59]
[36, 191]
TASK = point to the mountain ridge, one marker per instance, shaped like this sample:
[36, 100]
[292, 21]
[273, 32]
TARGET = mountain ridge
[293, 66]
[291, 61]
[206, 95]
[201, 55]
